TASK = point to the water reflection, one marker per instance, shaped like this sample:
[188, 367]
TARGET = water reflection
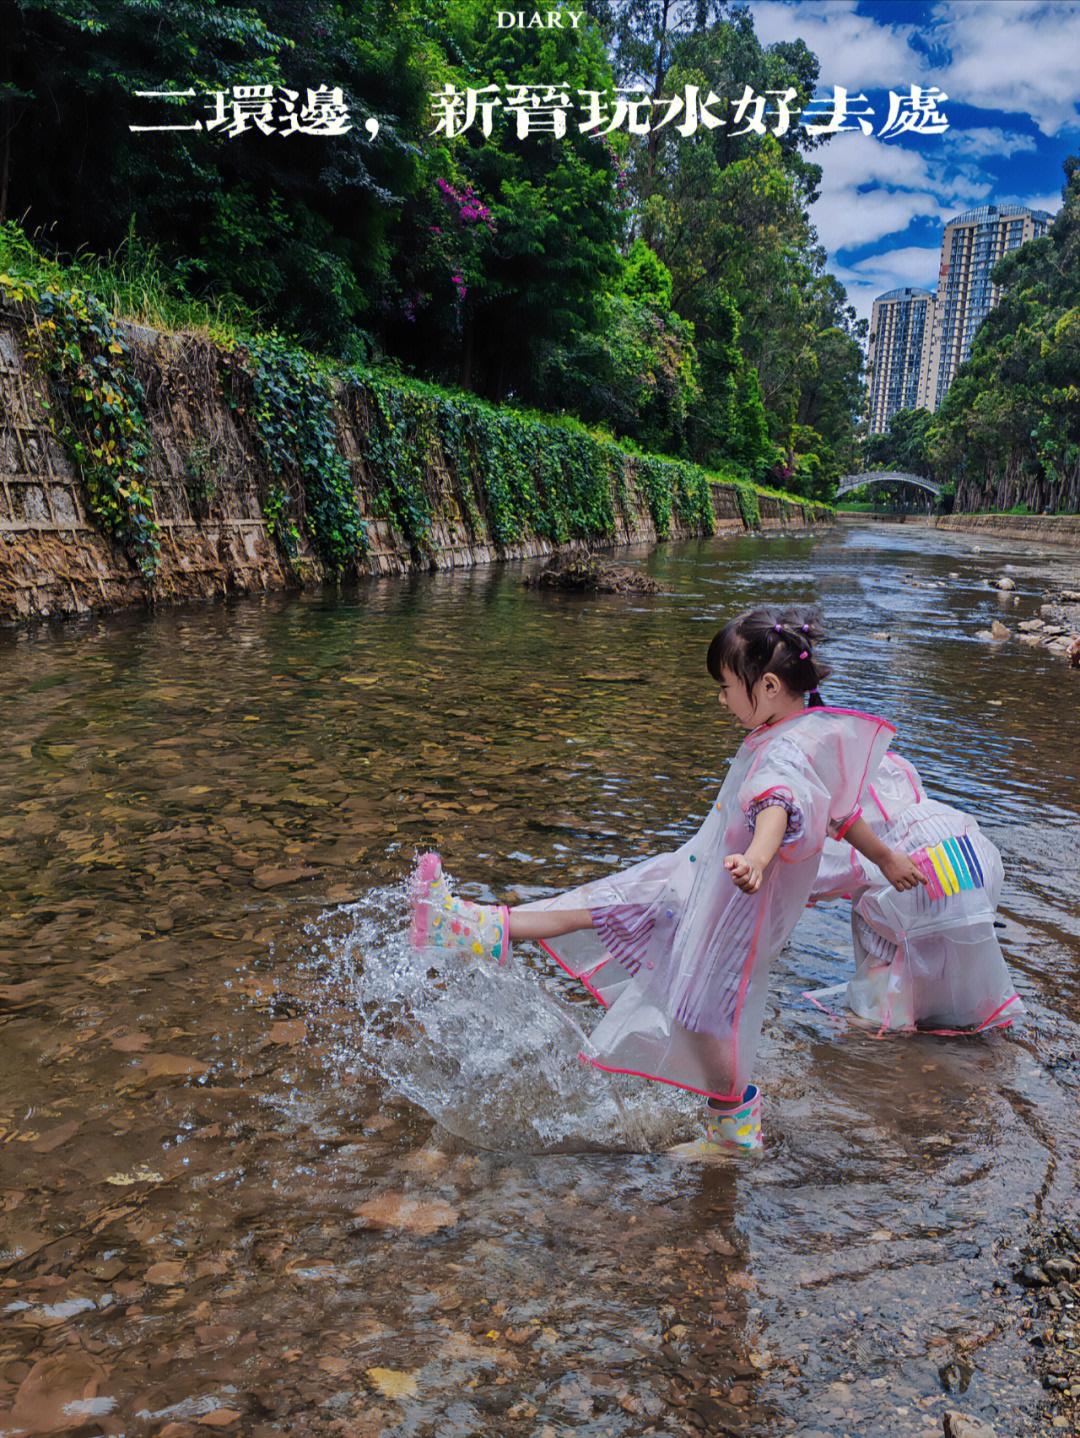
[222, 1193]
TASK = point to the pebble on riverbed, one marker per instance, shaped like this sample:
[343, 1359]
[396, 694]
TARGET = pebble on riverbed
[1059, 628]
[1051, 1276]
[960, 1425]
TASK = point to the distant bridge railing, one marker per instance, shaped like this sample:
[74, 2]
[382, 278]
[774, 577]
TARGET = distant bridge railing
[850, 482]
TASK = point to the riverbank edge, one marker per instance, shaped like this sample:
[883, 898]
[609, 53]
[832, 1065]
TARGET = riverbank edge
[1062, 529]
[218, 534]
[1058, 529]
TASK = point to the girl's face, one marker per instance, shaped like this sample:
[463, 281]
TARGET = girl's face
[734, 698]
[767, 702]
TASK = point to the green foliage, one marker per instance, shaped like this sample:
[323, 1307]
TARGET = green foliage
[401, 435]
[432, 249]
[294, 425]
[904, 445]
[749, 508]
[1008, 431]
[98, 417]
[646, 277]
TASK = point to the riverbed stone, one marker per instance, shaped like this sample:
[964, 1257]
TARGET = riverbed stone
[1032, 1276]
[962, 1425]
[1006, 584]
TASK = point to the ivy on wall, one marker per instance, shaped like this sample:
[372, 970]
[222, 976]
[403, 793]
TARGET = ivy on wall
[747, 500]
[293, 419]
[97, 414]
[512, 475]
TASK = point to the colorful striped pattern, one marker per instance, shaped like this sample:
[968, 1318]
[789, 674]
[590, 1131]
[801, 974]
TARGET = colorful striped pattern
[950, 867]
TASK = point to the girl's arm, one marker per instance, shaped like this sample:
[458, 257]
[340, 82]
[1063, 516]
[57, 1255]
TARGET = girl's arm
[893, 863]
[769, 829]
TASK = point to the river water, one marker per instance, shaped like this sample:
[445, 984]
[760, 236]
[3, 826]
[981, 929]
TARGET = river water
[264, 1171]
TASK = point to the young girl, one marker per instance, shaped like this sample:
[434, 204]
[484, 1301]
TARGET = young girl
[927, 958]
[678, 948]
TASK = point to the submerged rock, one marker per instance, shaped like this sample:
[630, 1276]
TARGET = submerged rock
[590, 574]
[961, 1425]
[999, 631]
[1032, 1276]
[1006, 584]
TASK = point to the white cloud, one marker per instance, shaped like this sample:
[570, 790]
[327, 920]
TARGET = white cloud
[854, 50]
[871, 188]
[1052, 203]
[1016, 56]
[913, 265]
[866, 279]
[1020, 58]
[983, 141]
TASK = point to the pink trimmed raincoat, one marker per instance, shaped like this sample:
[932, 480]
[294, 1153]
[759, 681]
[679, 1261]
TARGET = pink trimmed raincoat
[926, 958]
[679, 956]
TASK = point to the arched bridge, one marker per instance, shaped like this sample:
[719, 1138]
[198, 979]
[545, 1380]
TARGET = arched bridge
[850, 482]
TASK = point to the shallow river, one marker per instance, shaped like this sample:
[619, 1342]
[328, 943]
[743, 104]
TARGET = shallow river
[265, 1172]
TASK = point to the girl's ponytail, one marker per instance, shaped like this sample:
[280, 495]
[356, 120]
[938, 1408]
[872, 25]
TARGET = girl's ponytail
[772, 641]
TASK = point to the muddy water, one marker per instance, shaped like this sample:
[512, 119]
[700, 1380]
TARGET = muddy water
[227, 1201]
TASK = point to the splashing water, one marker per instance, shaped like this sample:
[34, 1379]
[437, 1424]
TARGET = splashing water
[489, 1051]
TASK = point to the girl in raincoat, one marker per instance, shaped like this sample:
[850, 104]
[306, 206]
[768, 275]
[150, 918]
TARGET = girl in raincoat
[677, 949]
[927, 958]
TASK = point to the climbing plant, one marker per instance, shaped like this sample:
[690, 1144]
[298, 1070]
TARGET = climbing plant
[293, 416]
[98, 413]
[401, 435]
[747, 500]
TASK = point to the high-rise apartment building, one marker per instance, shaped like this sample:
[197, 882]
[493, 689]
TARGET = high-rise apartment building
[918, 340]
[972, 245]
[900, 329]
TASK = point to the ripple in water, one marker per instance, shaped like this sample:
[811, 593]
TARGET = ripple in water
[489, 1052]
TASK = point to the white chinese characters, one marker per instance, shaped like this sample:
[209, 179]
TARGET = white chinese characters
[269, 109]
[538, 109]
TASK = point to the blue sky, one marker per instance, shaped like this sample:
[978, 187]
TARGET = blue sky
[1010, 69]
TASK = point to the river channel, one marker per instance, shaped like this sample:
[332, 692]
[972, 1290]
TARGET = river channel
[264, 1171]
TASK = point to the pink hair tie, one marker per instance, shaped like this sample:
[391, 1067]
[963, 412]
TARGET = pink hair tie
[805, 654]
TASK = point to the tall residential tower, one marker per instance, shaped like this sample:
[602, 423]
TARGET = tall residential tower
[900, 330]
[918, 340]
[972, 246]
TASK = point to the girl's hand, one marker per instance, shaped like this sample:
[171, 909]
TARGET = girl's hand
[901, 872]
[745, 874]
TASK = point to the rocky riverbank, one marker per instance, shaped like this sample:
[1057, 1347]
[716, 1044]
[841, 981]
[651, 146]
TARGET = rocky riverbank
[1051, 1277]
[1056, 628]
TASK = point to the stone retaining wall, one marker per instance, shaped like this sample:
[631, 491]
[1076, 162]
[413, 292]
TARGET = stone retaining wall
[1063, 529]
[54, 561]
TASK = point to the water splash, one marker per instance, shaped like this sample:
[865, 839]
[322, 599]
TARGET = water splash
[491, 1052]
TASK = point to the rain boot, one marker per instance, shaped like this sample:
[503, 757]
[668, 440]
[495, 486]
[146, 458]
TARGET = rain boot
[441, 920]
[729, 1128]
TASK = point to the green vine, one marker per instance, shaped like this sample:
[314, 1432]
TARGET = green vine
[401, 436]
[98, 418]
[280, 524]
[295, 429]
[747, 500]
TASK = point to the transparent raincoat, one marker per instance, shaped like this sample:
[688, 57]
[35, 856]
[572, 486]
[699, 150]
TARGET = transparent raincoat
[926, 958]
[677, 954]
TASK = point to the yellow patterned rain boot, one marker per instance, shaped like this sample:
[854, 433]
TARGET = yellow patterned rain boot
[441, 920]
[729, 1128]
